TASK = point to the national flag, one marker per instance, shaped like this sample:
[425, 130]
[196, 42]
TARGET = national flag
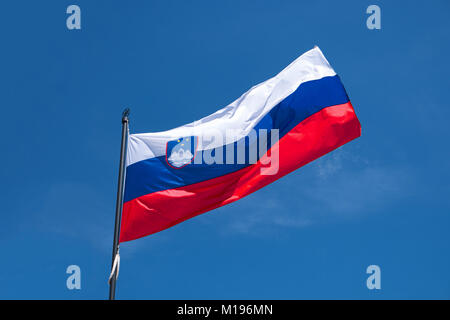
[274, 128]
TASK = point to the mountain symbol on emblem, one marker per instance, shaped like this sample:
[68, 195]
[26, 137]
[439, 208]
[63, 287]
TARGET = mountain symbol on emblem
[181, 152]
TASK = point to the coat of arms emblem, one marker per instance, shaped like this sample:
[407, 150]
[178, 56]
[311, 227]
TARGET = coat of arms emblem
[181, 152]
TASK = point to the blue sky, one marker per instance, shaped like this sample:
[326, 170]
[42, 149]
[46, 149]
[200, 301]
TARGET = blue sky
[381, 199]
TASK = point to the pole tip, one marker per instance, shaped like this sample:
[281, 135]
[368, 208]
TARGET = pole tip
[125, 114]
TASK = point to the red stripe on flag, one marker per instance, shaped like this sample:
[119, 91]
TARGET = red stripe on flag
[315, 136]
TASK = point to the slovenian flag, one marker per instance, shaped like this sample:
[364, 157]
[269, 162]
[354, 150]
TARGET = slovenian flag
[274, 128]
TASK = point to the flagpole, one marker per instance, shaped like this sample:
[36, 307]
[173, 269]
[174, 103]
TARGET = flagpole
[119, 204]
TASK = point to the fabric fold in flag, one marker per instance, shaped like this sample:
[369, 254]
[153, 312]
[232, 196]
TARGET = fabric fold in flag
[274, 128]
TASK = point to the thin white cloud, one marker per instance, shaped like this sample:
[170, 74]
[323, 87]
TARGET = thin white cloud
[340, 185]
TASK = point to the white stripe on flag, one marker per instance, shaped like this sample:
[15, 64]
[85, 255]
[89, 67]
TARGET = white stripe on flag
[242, 115]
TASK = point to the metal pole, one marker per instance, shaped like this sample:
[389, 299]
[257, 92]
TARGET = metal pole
[119, 201]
